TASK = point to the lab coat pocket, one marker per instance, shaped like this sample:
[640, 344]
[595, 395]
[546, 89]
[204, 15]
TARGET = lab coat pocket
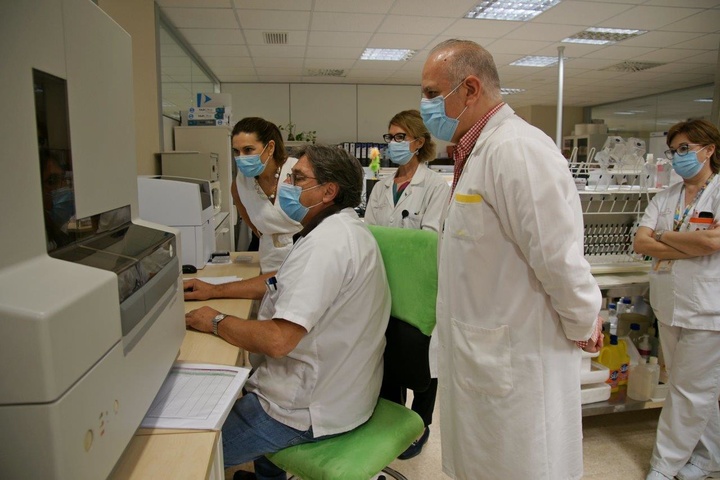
[465, 221]
[482, 360]
[705, 295]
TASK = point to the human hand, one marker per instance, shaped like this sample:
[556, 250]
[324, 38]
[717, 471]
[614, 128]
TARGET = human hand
[195, 289]
[201, 319]
[595, 342]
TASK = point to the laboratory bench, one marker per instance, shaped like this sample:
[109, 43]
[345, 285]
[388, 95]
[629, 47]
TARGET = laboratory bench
[192, 454]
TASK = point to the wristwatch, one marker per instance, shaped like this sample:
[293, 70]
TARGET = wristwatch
[658, 235]
[218, 318]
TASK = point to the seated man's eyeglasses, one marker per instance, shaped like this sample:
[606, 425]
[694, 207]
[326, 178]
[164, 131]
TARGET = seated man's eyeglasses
[296, 178]
[398, 137]
[682, 150]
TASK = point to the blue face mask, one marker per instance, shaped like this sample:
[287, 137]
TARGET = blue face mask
[289, 198]
[433, 114]
[399, 152]
[251, 165]
[63, 205]
[688, 165]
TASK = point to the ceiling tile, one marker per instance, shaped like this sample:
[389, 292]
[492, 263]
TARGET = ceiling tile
[705, 22]
[213, 62]
[406, 24]
[620, 52]
[345, 22]
[278, 51]
[201, 17]
[278, 62]
[518, 47]
[334, 52]
[195, 3]
[543, 32]
[339, 39]
[284, 5]
[353, 6]
[466, 27]
[412, 42]
[648, 18]
[660, 39]
[213, 36]
[273, 21]
[222, 50]
[581, 13]
[433, 8]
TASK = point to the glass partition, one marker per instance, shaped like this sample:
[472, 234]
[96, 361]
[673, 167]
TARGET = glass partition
[655, 113]
[182, 75]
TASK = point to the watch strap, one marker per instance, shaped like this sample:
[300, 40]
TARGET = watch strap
[216, 320]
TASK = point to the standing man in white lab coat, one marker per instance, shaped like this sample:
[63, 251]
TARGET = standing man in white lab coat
[515, 294]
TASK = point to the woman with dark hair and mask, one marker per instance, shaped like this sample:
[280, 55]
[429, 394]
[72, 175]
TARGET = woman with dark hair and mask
[680, 231]
[263, 165]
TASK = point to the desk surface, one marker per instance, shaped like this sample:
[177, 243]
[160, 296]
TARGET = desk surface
[189, 454]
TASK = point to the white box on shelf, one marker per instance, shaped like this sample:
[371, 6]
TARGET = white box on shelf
[594, 392]
[597, 374]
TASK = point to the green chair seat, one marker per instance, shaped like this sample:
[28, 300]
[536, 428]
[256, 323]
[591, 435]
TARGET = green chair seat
[358, 454]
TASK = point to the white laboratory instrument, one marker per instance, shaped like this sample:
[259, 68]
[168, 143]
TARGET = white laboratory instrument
[91, 309]
[185, 204]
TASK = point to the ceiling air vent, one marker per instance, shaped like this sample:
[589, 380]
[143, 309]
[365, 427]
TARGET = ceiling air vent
[325, 72]
[275, 38]
[632, 66]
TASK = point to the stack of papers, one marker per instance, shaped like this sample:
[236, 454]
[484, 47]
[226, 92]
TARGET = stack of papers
[196, 396]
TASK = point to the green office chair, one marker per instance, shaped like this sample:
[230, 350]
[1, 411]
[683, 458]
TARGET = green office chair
[410, 258]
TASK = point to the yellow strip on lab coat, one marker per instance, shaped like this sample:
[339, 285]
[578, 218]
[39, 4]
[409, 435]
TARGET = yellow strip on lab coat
[466, 198]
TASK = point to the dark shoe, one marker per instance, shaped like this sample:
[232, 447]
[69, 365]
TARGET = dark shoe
[416, 447]
[243, 475]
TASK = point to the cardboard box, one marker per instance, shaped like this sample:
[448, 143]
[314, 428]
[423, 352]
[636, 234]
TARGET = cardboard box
[213, 100]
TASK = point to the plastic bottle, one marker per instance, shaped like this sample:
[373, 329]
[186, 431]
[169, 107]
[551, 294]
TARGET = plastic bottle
[649, 173]
[612, 318]
[664, 169]
[625, 305]
[617, 360]
[634, 334]
[643, 380]
[645, 347]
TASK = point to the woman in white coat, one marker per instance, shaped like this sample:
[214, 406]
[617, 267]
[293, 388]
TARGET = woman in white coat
[262, 166]
[412, 198]
[685, 296]
[415, 196]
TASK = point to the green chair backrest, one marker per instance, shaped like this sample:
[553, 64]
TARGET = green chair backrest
[410, 258]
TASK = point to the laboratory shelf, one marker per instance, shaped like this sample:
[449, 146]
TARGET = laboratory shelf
[619, 402]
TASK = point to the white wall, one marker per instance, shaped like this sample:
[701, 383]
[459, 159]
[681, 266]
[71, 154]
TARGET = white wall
[338, 113]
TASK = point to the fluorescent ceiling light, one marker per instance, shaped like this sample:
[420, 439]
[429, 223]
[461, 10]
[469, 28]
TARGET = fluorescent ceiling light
[518, 10]
[603, 36]
[623, 113]
[391, 54]
[535, 61]
[703, 100]
[510, 91]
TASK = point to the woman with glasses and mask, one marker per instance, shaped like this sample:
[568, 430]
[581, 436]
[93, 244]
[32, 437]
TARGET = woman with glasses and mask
[412, 198]
[680, 231]
[263, 165]
[415, 196]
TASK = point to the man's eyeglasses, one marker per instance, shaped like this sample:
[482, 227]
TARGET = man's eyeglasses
[398, 137]
[682, 150]
[296, 178]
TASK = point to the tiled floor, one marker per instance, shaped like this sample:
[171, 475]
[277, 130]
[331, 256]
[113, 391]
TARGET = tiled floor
[615, 447]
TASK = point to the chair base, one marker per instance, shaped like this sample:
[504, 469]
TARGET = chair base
[391, 473]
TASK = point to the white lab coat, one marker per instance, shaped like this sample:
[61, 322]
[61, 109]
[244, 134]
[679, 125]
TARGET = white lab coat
[423, 201]
[276, 227]
[514, 294]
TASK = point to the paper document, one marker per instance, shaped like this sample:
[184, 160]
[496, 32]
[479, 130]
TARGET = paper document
[196, 396]
[219, 280]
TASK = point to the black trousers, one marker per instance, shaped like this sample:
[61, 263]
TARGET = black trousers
[423, 402]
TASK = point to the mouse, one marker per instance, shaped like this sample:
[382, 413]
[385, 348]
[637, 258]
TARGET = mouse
[189, 269]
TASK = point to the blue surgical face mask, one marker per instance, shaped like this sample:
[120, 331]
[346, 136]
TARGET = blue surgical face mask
[433, 114]
[399, 152]
[251, 165]
[63, 205]
[688, 165]
[289, 198]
